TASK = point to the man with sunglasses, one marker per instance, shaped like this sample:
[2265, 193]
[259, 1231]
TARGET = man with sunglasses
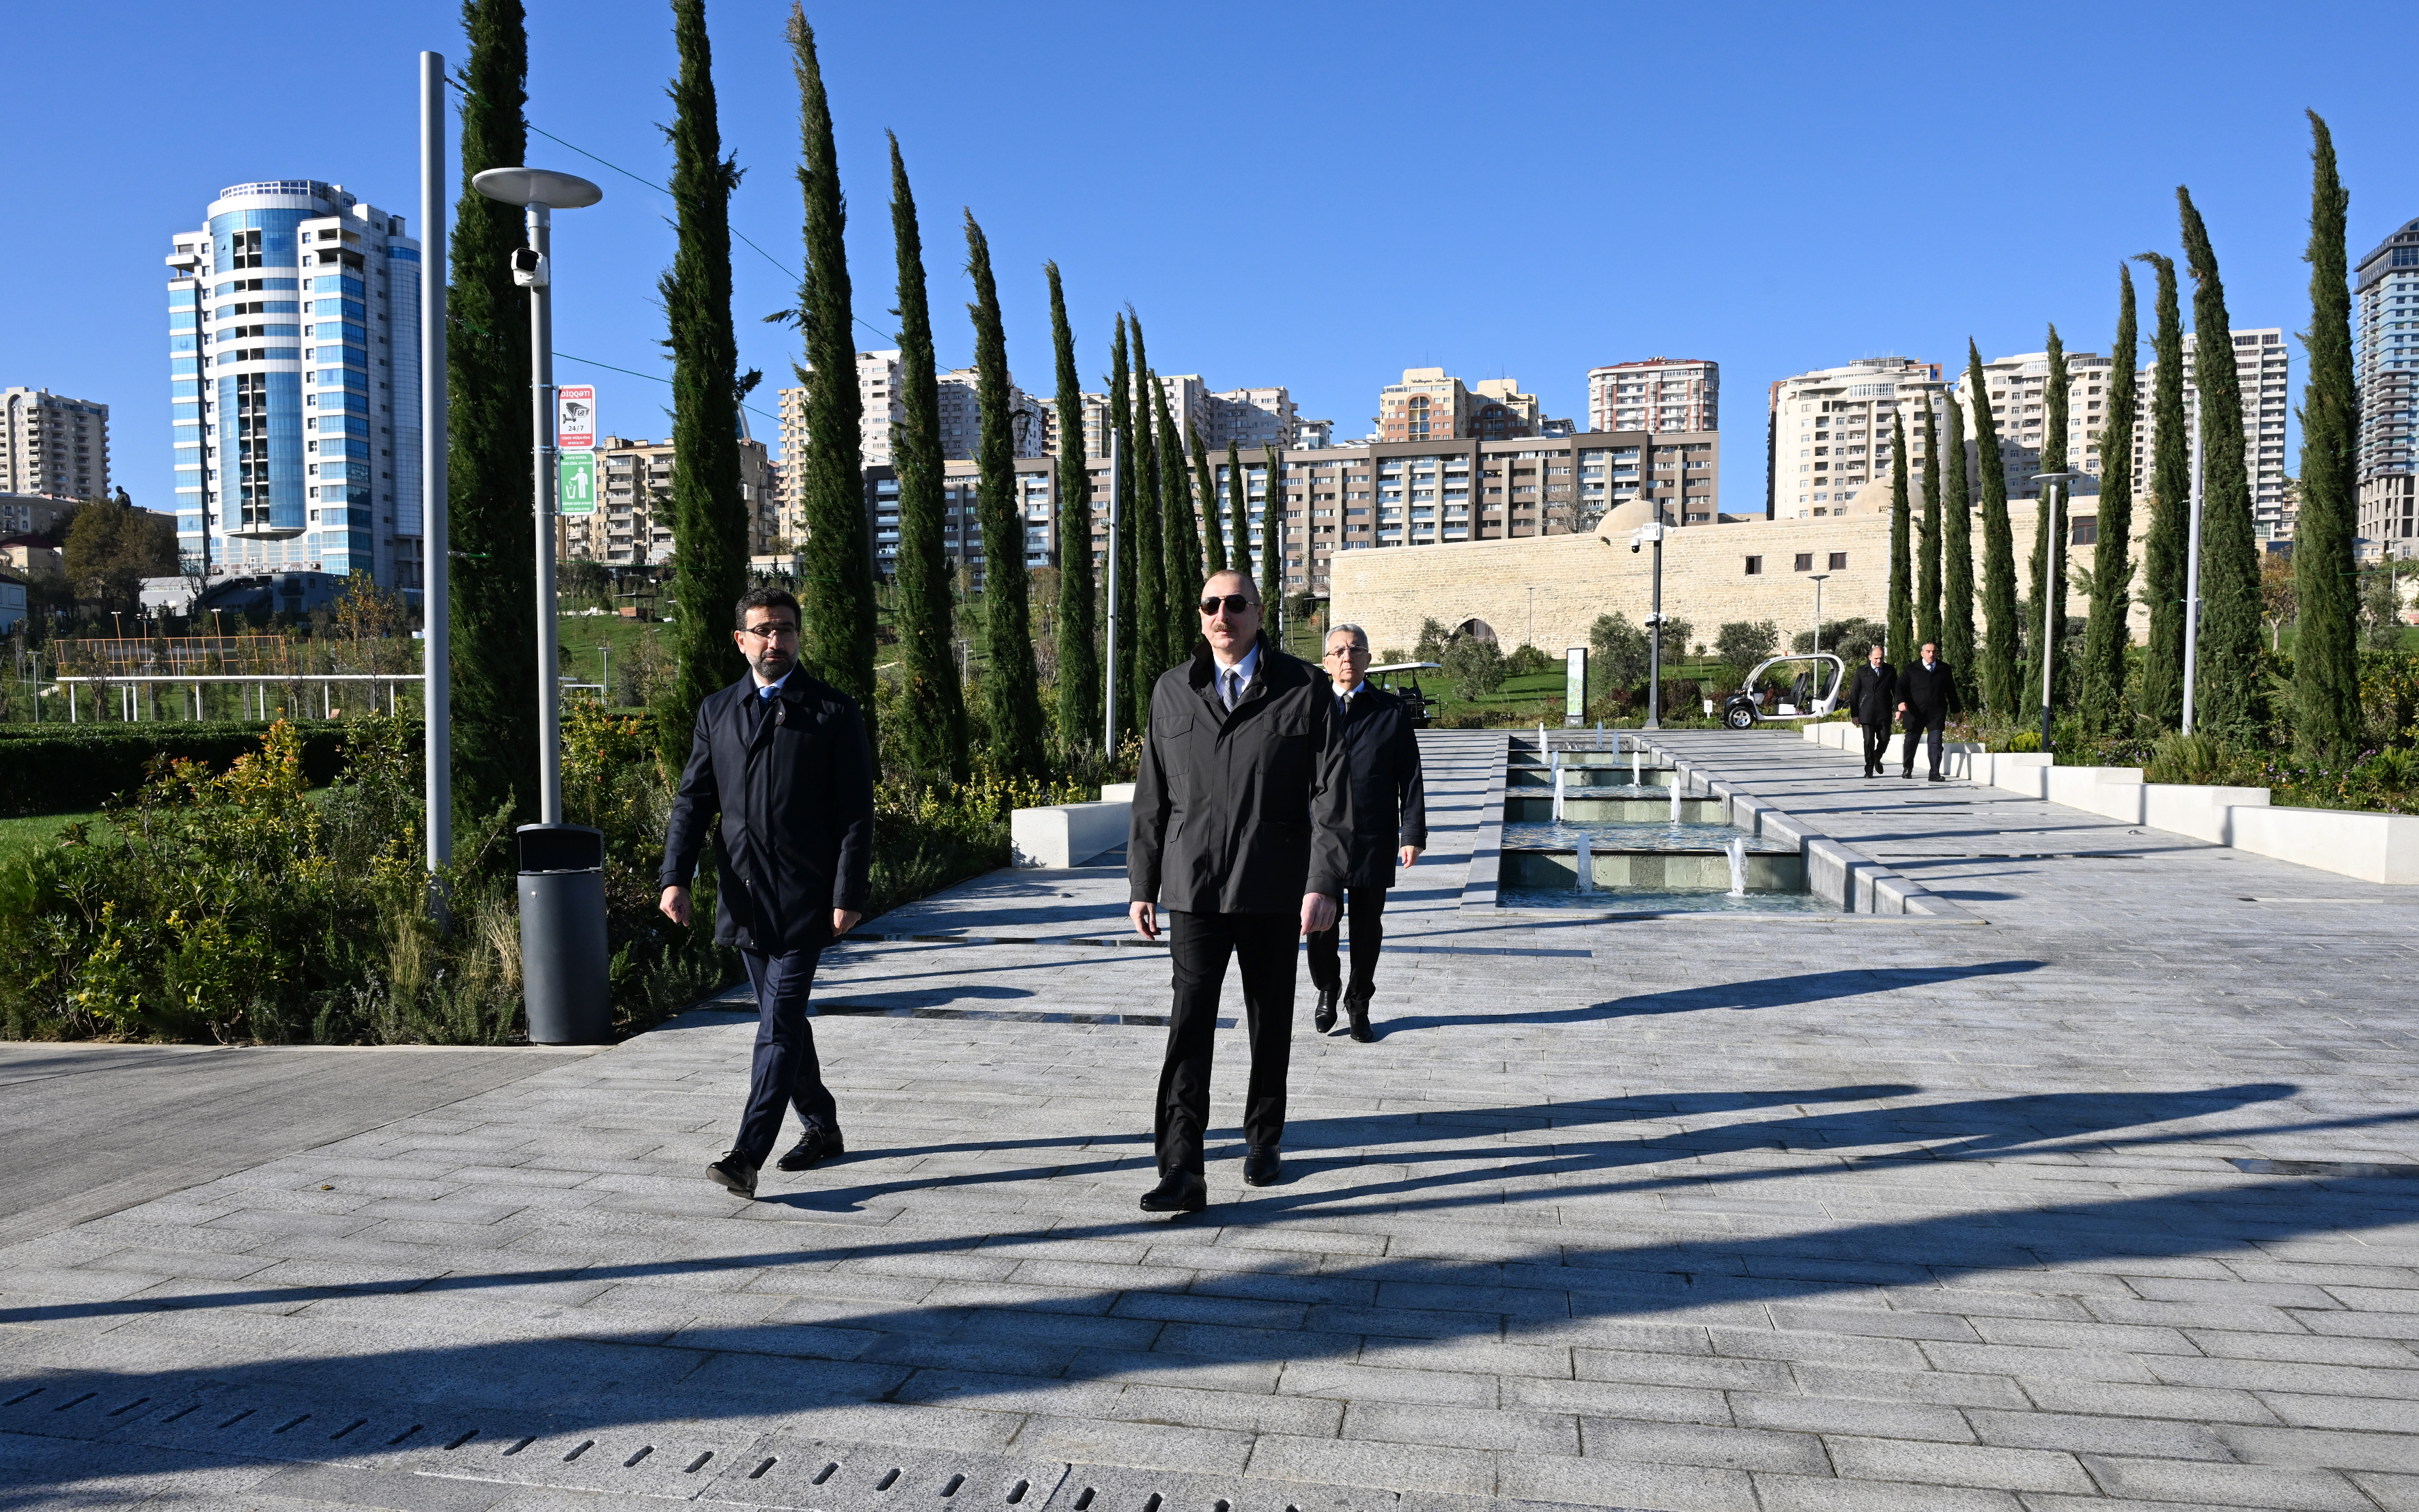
[1242, 832]
[780, 769]
[1390, 827]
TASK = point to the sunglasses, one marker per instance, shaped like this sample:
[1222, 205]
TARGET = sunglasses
[1231, 603]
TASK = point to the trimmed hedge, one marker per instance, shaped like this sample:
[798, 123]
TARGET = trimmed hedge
[56, 769]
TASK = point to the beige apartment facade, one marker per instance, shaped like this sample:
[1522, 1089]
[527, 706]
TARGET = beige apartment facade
[632, 525]
[1429, 404]
[2263, 368]
[2017, 391]
[52, 444]
[1832, 433]
[1659, 393]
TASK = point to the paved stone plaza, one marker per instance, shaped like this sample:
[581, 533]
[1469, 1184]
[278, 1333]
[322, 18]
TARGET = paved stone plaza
[2101, 1197]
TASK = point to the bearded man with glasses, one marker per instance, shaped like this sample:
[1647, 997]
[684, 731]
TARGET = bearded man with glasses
[780, 769]
[1242, 830]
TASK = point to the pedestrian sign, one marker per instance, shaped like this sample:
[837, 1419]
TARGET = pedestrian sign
[574, 481]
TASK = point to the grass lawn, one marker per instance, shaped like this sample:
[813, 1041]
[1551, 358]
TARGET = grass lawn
[22, 837]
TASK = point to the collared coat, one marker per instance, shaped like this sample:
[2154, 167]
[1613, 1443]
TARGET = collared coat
[788, 791]
[1390, 805]
[1240, 812]
[1873, 698]
[1928, 692]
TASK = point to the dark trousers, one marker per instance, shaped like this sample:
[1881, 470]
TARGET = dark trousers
[1367, 907]
[1930, 726]
[787, 1073]
[1198, 945]
[1877, 733]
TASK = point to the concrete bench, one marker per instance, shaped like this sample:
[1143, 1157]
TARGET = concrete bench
[1070, 834]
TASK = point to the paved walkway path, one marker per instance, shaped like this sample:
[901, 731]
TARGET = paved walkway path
[2099, 1202]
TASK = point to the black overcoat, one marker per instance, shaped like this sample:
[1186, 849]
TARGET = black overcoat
[1929, 691]
[1390, 805]
[1873, 698]
[1240, 812]
[792, 787]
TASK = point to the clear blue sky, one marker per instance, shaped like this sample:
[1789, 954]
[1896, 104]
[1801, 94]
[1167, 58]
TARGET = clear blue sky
[1314, 195]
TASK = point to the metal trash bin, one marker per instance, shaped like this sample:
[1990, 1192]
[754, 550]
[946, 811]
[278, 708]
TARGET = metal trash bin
[562, 888]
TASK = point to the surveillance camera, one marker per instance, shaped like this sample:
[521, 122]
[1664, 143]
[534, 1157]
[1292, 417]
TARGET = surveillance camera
[1633, 548]
[529, 268]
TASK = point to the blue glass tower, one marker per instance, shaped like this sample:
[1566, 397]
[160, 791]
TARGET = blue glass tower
[294, 379]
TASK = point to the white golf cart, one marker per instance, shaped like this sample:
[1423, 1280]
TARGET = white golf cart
[1797, 693]
[1402, 679]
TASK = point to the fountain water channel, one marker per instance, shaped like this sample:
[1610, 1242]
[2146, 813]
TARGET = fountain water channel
[1575, 834]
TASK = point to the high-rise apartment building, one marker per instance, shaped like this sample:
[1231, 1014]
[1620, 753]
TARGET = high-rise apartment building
[2386, 360]
[1313, 434]
[2262, 365]
[1094, 408]
[632, 525]
[2017, 389]
[294, 384]
[52, 444]
[880, 409]
[1655, 394]
[1250, 417]
[1831, 432]
[1430, 405]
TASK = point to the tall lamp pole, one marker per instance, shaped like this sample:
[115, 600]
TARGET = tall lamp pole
[2192, 586]
[436, 607]
[1109, 725]
[1654, 534]
[540, 192]
[2053, 585]
[1818, 577]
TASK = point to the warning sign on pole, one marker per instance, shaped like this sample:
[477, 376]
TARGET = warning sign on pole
[575, 483]
[575, 416]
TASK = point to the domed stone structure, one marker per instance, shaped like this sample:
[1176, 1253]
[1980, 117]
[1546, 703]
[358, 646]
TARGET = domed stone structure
[1624, 518]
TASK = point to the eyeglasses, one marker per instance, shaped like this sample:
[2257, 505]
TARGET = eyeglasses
[771, 632]
[1231, 603]
[1334, 652]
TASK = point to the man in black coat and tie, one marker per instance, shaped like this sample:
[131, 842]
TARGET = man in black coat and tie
[1873, 701]
[1389, 825]
[1925, 691]
[1243, 829]
[778, 768]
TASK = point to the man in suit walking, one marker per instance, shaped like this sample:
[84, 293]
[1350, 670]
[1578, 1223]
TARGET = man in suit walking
[1925, 690]
[1389, 825]
[780, 769]
[1872, 698]
[1242, 828]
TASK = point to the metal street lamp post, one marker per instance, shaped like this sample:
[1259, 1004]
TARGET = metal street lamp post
[1818, 577]
[436, 610]
[2192, 586]
[2053, 585]
[1653, 534]
[1109, 720]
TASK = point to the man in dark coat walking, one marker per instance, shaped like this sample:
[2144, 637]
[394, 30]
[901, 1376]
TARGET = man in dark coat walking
[1925, 691]
[781, 758]
[1243, 829]
[1389, 825]
[1873, 701]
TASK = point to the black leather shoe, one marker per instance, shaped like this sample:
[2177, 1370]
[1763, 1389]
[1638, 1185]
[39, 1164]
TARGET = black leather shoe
[1357, 1008]
[1262, 1166]
[1177, 1191]
[1908, 772]
[1323, 1018]
[1935, 777]
[821, 1142]
[736, 1172]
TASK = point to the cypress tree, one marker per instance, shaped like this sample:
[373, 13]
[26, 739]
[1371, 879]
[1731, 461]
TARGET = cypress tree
[2106, 637]
[1134, 689]
[1273, 513]
[1927, 589]
[2326, 648]
[1205, 484]
[1150, 547]
[931, 736]
[1999, 668]
[2162, 703]
[1012, 695]
[1183, 534]
[2228, 702]
[1901, 628]
[488, 457]
[1079, 659]
[2047, 569]
[836, 643]
[1239, 510]
[709, 515]
[1957, 564]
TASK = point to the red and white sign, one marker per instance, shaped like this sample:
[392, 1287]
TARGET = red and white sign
[575, 416]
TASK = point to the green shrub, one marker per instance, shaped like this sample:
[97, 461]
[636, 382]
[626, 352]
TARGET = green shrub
[1475, 666]
[56, 769]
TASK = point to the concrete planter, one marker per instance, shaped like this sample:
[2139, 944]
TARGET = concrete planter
[1070, 834]
[2202, 812]
[2374, 847]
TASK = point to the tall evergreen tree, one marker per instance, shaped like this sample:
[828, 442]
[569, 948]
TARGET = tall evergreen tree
[2326, 648]
[709, 514]
[2047, 569]
[1132, 684]
[2000, 669]
[2230, 698]
[931, 735]
[1957, 564]
[1901, 627]
[1012, 695]
[836, 643]
[1150, 545]
[2164, 574]
[2104, 635]
[1079, 658]
[1205, 484]
[1927, 581]
[1182, 531]
[1272, 515]
[1239, 510]
[487, 428]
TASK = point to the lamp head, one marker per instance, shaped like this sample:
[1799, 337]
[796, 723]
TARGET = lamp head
[537, 186]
